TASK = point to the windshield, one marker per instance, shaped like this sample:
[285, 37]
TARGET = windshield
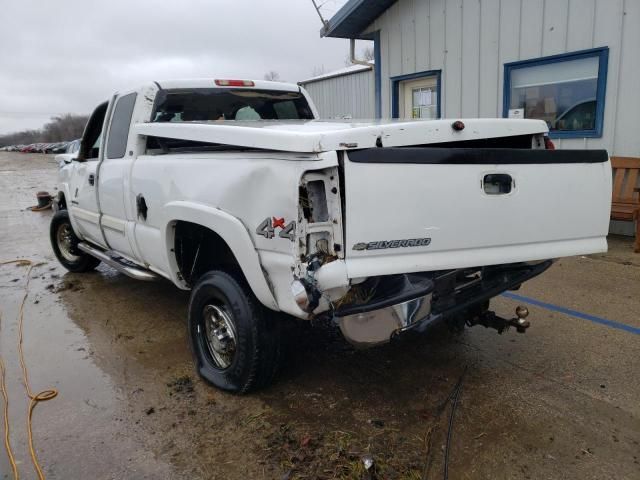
[219, 104]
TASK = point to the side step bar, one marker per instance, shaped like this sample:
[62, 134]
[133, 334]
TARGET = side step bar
[119, 264]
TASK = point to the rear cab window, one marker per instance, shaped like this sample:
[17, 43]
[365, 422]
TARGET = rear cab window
[220, 105]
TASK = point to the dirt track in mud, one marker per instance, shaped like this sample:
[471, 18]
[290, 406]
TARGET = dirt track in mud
[558, 402]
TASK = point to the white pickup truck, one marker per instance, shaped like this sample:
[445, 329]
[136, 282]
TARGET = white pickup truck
[235, 190]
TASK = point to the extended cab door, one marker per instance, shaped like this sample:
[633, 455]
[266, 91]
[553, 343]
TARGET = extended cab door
[83, 202]
[113, 176]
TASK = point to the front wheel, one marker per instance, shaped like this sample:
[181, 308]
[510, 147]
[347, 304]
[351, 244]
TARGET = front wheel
[65, 245]
[234, 339]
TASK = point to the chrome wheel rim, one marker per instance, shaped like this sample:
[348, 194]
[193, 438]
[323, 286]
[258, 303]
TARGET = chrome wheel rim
[64, 236]
[220, 335]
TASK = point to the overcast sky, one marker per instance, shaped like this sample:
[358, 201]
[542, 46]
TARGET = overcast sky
[69, 55]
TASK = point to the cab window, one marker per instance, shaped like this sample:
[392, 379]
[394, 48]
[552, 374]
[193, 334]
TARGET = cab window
[120, 122]
[90, 145]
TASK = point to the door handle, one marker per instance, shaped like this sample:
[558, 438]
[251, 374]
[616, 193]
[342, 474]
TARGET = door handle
[92, 179]
[498, 184]
[141, 207]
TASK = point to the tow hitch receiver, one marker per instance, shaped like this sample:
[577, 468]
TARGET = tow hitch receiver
[489, 319]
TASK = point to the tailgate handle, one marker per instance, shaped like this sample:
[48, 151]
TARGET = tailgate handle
[497, 184]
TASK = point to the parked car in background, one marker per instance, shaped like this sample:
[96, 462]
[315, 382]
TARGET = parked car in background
[52, 147]
[60, 147]
[70, 152]
[73, 146]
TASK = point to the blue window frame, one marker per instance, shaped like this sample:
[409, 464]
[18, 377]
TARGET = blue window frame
[566, 90]
[378, 72]
[397, 81]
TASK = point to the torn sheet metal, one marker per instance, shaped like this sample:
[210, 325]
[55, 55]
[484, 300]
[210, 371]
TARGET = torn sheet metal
[313, 136]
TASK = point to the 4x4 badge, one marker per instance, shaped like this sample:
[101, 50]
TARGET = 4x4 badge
[268, 226]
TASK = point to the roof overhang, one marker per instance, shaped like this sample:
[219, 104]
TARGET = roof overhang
[343, 72]
[354, 17]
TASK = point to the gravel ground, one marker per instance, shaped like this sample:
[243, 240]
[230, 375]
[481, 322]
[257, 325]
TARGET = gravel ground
[560, 401]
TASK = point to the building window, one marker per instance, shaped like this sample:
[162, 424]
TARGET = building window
[416, 96]
[566, 91]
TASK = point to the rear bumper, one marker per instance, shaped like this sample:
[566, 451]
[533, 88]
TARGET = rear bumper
[454, 294]
[496, 280]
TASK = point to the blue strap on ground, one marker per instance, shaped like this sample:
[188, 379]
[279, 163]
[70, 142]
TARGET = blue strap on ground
[573, 313]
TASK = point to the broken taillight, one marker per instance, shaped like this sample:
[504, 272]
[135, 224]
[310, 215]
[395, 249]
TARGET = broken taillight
[548, 143]
[235, 83]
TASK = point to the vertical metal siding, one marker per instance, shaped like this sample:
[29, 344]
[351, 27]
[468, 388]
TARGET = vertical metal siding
[531, 28]
[471, 40]
[470, 90]
[626, 135]
[452, 71]
[348, 95]
[489, 53]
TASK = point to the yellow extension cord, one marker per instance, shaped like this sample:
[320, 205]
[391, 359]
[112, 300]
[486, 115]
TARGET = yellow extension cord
[33, 399]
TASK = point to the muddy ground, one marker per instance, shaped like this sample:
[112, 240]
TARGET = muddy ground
[561, 401]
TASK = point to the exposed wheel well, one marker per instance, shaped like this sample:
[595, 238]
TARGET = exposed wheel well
[62, 202]
[199, 249]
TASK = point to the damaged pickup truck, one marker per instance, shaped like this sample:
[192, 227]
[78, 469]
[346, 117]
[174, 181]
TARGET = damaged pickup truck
[233, 189]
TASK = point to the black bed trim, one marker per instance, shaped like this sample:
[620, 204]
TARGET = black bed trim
[474, 156]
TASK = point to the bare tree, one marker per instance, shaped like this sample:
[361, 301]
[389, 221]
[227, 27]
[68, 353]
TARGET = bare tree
[318, 70]
[61, 128]
[272, 76]
[367, 55]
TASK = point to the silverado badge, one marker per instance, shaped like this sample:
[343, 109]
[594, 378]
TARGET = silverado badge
[382, 244]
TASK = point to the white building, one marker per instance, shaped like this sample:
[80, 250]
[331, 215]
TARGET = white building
[572, 63]
[344, 93]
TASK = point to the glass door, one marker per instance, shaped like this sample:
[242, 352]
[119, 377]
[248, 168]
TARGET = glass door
[420, 98]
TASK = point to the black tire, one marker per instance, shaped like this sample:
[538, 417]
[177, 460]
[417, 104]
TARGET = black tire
[68, 254]
[256, 346]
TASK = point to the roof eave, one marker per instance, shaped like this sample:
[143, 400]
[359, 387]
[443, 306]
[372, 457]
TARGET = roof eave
[354, 17]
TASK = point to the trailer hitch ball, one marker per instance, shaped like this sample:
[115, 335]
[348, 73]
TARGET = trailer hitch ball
[521, 322]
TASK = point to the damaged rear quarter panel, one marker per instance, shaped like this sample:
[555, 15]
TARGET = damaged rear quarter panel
[249, 186]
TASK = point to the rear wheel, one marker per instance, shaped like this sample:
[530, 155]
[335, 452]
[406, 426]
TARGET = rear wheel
[65, 245]
[234, 339]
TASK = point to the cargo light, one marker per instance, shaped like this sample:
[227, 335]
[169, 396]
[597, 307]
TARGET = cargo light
[235, 83]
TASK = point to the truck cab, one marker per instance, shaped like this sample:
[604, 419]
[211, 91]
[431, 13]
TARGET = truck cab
[109, 147]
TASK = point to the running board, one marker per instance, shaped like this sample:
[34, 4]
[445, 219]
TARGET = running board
[119, 264]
